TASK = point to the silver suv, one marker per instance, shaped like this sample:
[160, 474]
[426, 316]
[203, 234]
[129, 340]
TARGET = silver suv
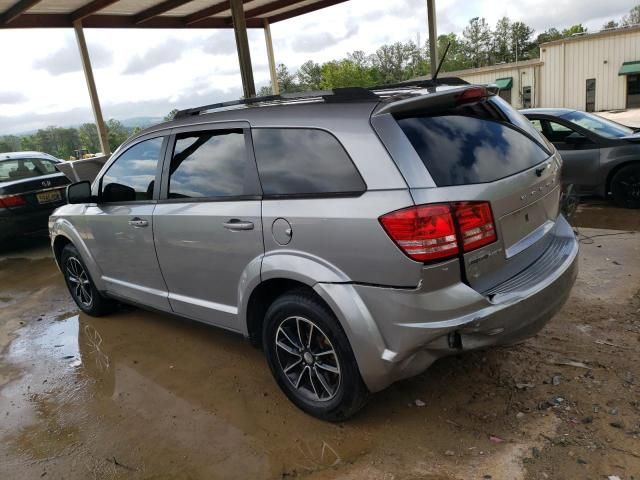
[355, 235]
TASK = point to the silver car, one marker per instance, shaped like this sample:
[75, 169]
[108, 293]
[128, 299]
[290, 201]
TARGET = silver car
[355, 235]
[600, 157]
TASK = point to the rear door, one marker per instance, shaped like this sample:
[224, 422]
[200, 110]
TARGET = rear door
[208, 226]
[119, 228]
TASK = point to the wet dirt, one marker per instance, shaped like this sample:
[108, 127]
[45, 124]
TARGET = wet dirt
[144, 395]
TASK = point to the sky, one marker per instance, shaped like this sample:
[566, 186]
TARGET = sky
[142, 73]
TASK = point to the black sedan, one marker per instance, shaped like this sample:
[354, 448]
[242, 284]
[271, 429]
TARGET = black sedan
[600, 157]
[30, 189]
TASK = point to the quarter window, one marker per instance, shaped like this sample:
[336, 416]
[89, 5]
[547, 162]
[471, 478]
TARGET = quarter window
[132, 176]
[210, 164]
[299, 161]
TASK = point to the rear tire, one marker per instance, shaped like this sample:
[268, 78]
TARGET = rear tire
[311, 359]
[81, 286]
[625, 186]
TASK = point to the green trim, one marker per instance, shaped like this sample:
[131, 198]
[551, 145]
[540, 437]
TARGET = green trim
[630, 68]
[504, 83]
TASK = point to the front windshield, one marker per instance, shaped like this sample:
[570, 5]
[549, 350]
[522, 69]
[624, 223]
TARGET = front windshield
[601, 126]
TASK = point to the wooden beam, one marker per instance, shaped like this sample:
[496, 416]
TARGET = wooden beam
[275, 87]
[91, 85]
[90, 8]
[62, 20]
[18, 9]
[242, 46]
[207, 12]
[302, 10]
[270, 7]
[157, 9]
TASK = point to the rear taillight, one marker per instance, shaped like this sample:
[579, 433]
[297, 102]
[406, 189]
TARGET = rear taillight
[12, 201]
[476, 224]
[438, 231]
[471, 95]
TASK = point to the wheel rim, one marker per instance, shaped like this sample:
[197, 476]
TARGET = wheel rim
[307, 359]
[630, 188]
[79, 281]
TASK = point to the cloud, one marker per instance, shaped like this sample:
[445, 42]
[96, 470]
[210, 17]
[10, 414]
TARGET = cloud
[11, 98]
[319, 41]
[148, 108]
[220, 43]
[167, 52]
[67, 59]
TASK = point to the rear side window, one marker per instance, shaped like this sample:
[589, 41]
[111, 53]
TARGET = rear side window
[209, 164]
[298, 161]
[25, 168]
[459, 150]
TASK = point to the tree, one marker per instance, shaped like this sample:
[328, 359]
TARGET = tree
[116, 133]
[89, 138]
[574, 30]
[521, 41]
[398, 61]
[346, 73]
[171, 115]
[633, 17]
[310, 75]
[477, 41]
[610, 24]
[456, 58]
[502, 41]
[286, 80]
[9, 143]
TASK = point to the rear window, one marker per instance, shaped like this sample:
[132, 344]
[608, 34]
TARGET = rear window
[299, 161]
[20, 168]
[458, 149]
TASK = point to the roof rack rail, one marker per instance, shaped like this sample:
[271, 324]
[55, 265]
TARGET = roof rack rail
[336, 95]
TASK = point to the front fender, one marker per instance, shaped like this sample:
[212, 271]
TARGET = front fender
[63, 227]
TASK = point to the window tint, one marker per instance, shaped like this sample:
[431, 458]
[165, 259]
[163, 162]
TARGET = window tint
[209, 165]
[303, 162]
[519, 120]
[537, 124]
[459, 150]
[599, 125]
[132, 175]
[25, 168]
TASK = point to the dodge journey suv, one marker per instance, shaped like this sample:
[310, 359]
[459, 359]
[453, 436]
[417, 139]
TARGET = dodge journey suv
[355, 235]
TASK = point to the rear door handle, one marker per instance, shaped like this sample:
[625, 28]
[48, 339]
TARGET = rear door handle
[138, 222]
[237, 225]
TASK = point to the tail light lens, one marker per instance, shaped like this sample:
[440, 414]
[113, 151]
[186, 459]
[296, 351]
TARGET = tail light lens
[12, 201]
[476, 224]
[471, 95]
[429, 232]
[423, 233]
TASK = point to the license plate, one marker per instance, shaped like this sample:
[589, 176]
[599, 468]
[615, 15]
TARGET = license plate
[48, 197]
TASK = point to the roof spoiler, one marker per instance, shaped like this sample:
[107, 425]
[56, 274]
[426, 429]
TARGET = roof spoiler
[437, 100]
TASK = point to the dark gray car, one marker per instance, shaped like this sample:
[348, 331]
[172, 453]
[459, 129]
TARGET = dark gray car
[600, 157]
[355, 235]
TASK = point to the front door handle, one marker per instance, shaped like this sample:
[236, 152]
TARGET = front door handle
[138, 222]
[237, 225]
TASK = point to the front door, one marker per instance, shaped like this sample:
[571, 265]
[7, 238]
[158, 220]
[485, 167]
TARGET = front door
[591, 95]
[119, 227]
[208, 225]
[633, 91]
[580, 155]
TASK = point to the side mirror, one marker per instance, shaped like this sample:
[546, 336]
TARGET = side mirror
[79, 192]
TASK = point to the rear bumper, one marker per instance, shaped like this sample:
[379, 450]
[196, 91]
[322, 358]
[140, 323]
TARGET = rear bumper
[398, 333]
[16, 224]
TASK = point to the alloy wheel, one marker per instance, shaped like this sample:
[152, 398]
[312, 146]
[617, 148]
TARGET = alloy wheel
[79, 281]
[307, 358]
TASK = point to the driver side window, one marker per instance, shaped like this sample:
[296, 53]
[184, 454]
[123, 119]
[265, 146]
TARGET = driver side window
[132, 176]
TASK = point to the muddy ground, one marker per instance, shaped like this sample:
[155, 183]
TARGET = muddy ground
[143, 395]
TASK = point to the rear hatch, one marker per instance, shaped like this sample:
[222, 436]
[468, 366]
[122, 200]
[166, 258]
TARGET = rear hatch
[468, 145]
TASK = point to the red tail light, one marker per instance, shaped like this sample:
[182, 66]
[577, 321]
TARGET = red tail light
[424, 233]
[429, 232]
[12, 201]
[476, 224]
[471, 95]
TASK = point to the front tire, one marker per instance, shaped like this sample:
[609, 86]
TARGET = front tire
[81, 286]
[625, 186]
[311, 359]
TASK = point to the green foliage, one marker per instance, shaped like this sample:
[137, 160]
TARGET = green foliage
[610, 24]
[633, 17]
[171, 115]
[477, 41]
[574, 30]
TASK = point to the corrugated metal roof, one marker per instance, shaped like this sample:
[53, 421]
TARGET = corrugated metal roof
[148, 13]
